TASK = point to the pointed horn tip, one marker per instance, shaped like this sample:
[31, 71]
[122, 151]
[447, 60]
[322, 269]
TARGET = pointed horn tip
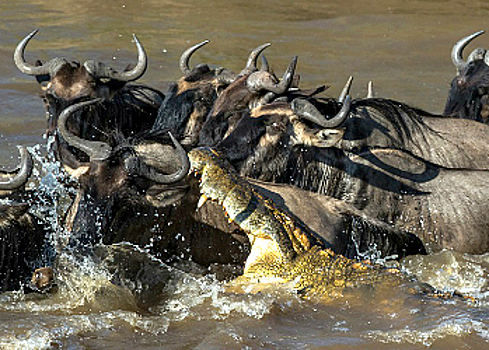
[22, 149]
[199, 45]
[31, 34]
[292, 65]
[136, 40]
[261, 48]
[202, 43]
[346, 89]
[26, 39]
[24, 152]
[471, 37]
[171, 136]
[467, 40]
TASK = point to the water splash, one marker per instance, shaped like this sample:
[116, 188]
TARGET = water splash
[458, 327]
[448, 270]
[51, 195]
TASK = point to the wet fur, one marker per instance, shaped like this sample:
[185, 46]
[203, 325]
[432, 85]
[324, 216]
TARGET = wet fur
[22, 243]
[386, 180]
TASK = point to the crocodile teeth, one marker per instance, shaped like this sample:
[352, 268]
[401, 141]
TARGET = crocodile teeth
[203, 198]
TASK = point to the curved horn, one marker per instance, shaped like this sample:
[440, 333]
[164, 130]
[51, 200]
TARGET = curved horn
[370, 89]
[100, 70]
[262, 80]
[134, 165]
[20, 62]
[252, 58]
[138, 71]
[185, 58]
[96, 150]
[458, 48]
[346, 90]
[307, 110]
[18, 178]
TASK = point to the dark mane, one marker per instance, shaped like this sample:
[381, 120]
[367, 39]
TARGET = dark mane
[402, 117]
[175, 111]
[404, 120]
[136, 105]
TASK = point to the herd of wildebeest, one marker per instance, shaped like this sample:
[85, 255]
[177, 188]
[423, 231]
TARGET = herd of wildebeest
[368, 177]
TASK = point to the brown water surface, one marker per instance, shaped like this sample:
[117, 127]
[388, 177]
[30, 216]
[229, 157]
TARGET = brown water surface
[403, 46]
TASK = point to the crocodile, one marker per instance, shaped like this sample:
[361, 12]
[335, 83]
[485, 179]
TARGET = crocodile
[282, 252]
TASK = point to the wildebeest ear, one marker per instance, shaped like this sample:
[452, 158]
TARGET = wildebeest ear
[13, 211]
[327, 137]
[42, 78]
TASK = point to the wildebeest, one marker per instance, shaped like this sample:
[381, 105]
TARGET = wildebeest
[468, 95]
[252, 88]
[204, 94]
[128, 192]
[377, 122]
[131, 196]
[126, 108]
[22, 235]
[190, 99]
[446, 208]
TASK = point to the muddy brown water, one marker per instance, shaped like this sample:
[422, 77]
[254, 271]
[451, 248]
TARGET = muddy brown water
[403, 46]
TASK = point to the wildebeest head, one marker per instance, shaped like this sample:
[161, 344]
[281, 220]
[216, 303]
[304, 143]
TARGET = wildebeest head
[190, 100]
[125, 108]
[119, 170]
[469, 92]
[22, 236]
[251, 89]
[261, 144]
[138, 191]
[71, 81]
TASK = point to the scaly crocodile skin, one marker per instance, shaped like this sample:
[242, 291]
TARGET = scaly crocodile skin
[281, 251]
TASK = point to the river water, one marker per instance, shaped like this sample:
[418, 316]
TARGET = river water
[403, 46]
